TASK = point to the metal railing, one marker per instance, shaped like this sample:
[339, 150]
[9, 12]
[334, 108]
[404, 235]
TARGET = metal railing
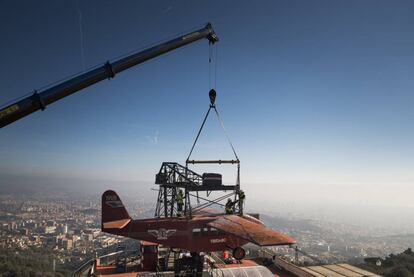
[108, 259]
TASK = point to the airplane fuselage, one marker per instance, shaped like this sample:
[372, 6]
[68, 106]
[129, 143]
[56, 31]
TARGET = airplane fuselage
[193, 234]
[205, 231]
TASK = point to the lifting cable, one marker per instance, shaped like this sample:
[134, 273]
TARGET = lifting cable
[198, 134]
[212, 65]
[212, 95]
[225, 132]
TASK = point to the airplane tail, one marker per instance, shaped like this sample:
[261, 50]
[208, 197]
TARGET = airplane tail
[114, 214]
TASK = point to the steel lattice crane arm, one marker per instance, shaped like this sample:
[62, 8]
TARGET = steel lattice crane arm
[39, 100]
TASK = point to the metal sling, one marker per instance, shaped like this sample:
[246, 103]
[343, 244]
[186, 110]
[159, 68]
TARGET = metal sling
[212, 95]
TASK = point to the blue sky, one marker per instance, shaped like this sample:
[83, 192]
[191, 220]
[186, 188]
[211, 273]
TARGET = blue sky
[311, 92]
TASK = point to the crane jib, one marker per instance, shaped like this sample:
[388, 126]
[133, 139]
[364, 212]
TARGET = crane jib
[39, 100]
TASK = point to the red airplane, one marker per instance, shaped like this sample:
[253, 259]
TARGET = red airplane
[206, 231]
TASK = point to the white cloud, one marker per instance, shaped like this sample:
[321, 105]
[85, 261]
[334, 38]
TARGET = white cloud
[153, 138]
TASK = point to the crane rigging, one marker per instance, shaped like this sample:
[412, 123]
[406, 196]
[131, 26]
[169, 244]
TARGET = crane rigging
[40, 99]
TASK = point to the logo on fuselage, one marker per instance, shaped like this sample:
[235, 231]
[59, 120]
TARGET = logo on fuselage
[217, 240]
[162, 233]
[113, 201]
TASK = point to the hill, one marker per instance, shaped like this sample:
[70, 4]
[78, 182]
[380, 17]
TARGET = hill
[400, 265]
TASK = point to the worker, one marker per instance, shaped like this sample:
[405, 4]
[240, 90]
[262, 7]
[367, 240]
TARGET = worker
[229, 206]
[180, 202]
[242, 197]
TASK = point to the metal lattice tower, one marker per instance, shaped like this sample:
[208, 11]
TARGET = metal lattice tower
[172, 177]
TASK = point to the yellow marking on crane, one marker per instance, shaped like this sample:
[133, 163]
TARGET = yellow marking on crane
[11, 109]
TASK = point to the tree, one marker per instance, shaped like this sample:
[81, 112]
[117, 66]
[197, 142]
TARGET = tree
[400, 271]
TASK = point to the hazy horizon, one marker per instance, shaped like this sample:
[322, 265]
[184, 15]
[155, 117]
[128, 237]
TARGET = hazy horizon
[315, 202]
[317, 98]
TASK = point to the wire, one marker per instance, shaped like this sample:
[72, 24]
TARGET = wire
[209, 65]
[82, 50]
[211, 202]
[225, 132]
[222, 126]
[215, 66]
[212, 66]
[198, 134]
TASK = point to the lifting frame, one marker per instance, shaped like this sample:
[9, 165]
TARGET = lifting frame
[172, 177]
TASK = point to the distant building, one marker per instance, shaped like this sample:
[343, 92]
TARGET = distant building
[87, 237]
[49, 241]
[67, 244]
[93, 232]
[49, 229]
[31, 224]
[12, 225]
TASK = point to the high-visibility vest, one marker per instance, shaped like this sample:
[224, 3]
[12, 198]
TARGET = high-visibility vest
[229, 207]
[229, 210]
[179, 199]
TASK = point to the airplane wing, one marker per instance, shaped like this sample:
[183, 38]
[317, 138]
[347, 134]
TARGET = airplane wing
[250, 231]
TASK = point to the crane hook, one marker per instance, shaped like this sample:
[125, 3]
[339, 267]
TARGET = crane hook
[212, 94]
